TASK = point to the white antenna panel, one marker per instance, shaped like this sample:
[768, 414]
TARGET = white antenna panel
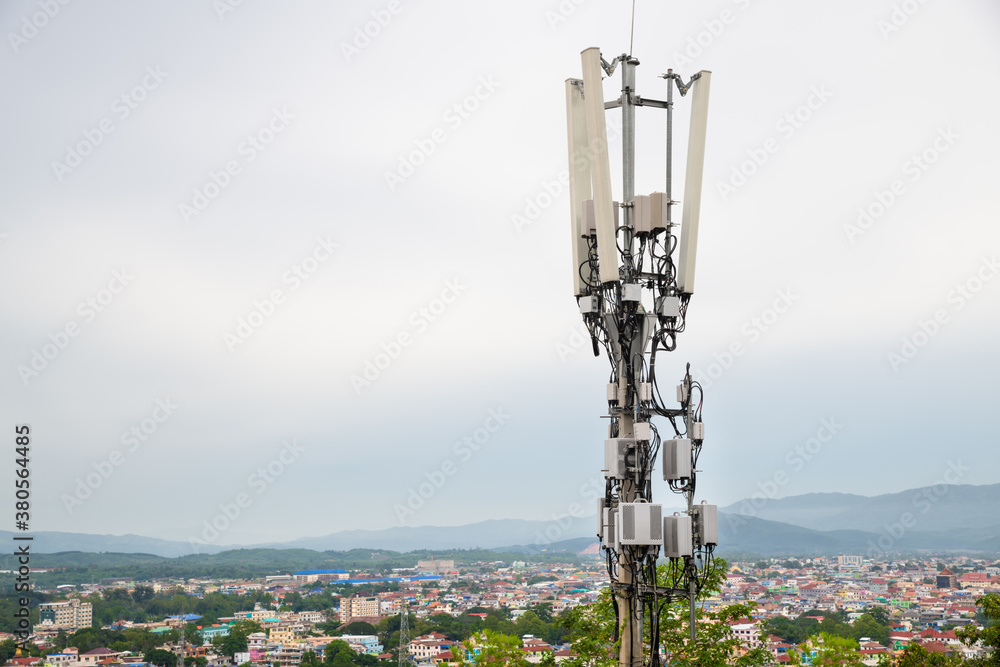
[692, 182]
[579, 175]
[600, 167]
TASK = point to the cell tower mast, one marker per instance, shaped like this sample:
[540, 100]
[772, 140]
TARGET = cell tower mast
[634, 300]
[403, 650]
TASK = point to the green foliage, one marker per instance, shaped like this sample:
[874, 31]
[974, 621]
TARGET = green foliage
[491, 648]
[338, 654]
[141, 593]
[914, 655]
[236, 640]
[160, 658]
[796, 631]
[826, 650]
[591, 629]
[8, 648]
[880, 615]
[357, 628]
[989, 606]
[867, 626]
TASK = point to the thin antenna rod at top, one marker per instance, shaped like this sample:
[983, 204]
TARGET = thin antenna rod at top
[631, 36]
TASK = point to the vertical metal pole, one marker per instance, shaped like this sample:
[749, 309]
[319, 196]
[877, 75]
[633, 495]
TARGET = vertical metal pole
[670, 143]
[692, 586]
[631, 654]
[628, 153]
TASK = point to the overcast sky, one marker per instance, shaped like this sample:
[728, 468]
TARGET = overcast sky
[217, 214]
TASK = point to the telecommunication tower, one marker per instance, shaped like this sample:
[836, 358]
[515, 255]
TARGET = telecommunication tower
[634, 297]
[403, 650]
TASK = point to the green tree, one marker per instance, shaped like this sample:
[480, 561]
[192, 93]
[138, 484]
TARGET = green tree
[880, 615]
[357, 628]
[8, 648]
[989, 636]
[915, 655]
[867, 626]
[161, 658]
[310, 659]
[338, 654]
[491, 648]
[141, 593]
[236, 640]
[116, 594]
[591, 628]
[544, 611]
[826, 650]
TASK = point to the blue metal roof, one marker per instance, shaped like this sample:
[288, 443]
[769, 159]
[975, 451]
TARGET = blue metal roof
[376, 581]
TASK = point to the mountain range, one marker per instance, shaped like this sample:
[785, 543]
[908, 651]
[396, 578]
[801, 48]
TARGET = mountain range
[938, 518]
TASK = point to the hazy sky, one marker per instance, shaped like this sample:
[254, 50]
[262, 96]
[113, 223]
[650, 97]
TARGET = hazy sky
[215, 214]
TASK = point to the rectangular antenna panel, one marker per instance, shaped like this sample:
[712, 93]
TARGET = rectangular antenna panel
[579, 174]
[611, 528]
[642, 215]
[676, 459]
[600, 167]
[677, 536]
[615, 452]
[708, 523]
[588, 221]
[691, 210]
[641, 523]
[642, 431]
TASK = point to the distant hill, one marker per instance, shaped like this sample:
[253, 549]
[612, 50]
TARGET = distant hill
[492, 535]
[485, 534]
[933, 509]
[941, 519]
[56, 542]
